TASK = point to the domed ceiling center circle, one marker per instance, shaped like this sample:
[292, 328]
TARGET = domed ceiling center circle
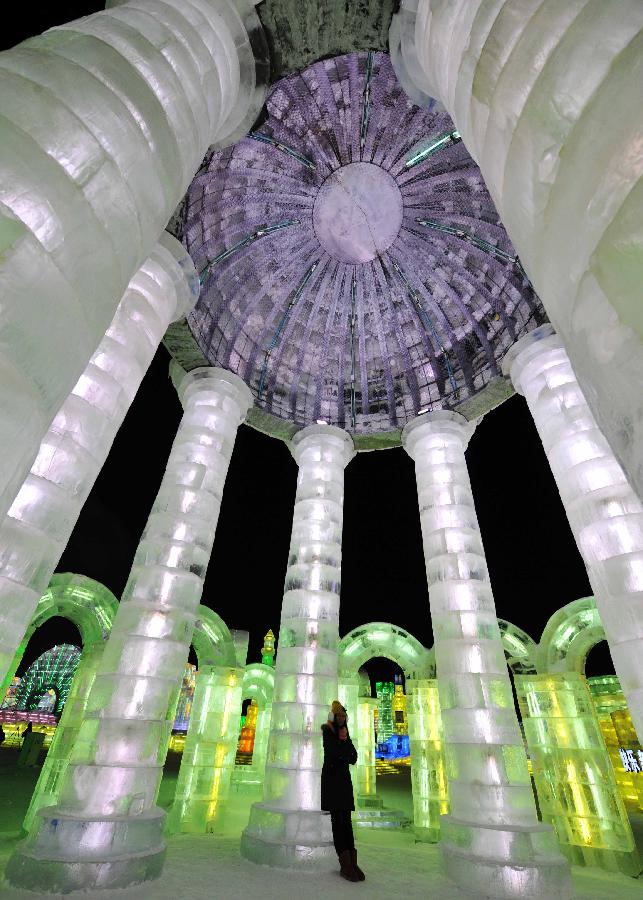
[357, 212]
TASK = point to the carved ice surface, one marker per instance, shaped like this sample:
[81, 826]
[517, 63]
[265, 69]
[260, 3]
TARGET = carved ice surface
[40, 521]
[605, 515]
[573, 774]
[491, 840]
[287, 829]
[105, 121]
[547, 99]
[106, 830]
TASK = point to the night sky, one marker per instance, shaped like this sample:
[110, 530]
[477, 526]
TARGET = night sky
[533, 561]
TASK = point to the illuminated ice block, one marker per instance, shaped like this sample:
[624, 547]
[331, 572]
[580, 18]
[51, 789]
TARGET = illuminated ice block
[47, 788]
[573, 773]
[203, 784]
[41, 518]
[258, 686]
[605, 514]
[492, 842]
[546, 97]
[428, 768]
[365, 779]
[106, 830]
[612, 712]
[287, 829]
[104, 122]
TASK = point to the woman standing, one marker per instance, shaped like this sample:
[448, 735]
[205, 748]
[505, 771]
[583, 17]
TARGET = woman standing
[337, 789]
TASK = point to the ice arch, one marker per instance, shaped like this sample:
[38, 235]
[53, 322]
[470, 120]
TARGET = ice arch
[258, 683]
[568, 637]
[520, 649]
[383, 639]
[212, 640]
[85, 602]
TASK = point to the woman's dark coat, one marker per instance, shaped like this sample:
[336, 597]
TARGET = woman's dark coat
[336, 784]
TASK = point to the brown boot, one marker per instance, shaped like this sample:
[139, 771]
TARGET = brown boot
[347, 871]
[359, 872]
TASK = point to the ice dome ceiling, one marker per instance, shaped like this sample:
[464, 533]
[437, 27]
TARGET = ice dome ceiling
[353, 266]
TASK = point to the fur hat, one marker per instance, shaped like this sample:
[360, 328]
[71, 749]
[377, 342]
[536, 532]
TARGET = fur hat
[336, 708]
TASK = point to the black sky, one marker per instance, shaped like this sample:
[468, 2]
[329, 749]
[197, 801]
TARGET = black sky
[534, 564]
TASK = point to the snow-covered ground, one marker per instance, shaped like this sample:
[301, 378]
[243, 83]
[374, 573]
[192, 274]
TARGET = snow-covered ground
[209, 867]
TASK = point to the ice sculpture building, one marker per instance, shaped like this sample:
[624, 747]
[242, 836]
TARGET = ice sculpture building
[373, 252]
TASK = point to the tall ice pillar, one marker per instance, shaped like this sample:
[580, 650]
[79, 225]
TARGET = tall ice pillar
[106, 830]
[105, 120]
[287, 829]
[492, 842]
[605, 514]
[41, 519]
[546, 97]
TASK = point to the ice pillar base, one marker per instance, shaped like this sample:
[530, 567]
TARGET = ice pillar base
[492, 861]
[289, 839]
[75, 853]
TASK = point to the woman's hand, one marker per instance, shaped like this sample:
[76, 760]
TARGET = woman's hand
[343, 733]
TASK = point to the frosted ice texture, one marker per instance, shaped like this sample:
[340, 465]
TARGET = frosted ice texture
[492, 841]
[605, 515]
[106, 829]
[104, 122]
[573, 773]
[55, 765]
[287, 828]
[365, 777]
[569, 635]
[208, 758]
[428, 768]
[41, 518]
[547, 99]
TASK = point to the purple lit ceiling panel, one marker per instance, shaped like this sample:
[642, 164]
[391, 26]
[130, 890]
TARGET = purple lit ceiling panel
[353, 265]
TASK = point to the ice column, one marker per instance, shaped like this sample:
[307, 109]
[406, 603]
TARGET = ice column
[605, 515]
[428, 771]
[365, 778]
[106, 830]
[492, 842]
[55, 765]
[546, 96]
[210, 748]
[104, 122]
[72, 453]
[287, 830]
[573, 773]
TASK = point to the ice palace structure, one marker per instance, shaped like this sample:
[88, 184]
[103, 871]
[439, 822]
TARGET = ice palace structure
[386, 226]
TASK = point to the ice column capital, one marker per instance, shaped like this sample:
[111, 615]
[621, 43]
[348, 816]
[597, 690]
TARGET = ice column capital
[539, 341]
[329, 439]
[208, 379]
[418, 435]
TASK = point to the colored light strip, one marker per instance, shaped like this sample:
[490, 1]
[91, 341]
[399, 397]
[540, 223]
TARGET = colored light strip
[366, 102]
[445, 140]
[353, 320]
[282, 324]
[424, 316]
[473, 239]
[284, 148]
[263, 231]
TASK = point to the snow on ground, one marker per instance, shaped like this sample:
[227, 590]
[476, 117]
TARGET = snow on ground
[209, 867]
